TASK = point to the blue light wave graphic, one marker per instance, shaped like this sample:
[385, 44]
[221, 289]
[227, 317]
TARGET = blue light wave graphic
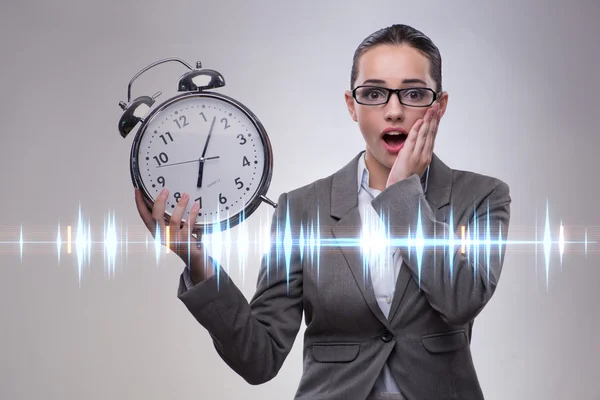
[375, 243]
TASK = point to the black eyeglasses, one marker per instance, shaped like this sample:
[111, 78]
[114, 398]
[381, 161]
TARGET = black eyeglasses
[376, 95]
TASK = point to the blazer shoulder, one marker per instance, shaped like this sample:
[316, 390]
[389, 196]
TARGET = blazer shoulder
[300, 194]
[307, 193]
[300, 199]
[484, 185]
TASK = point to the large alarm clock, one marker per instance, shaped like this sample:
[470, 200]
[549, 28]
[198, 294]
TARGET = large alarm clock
[202, 143]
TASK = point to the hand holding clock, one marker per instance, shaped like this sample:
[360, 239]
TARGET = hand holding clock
[181, 242]
[180, 239]
[238, 181]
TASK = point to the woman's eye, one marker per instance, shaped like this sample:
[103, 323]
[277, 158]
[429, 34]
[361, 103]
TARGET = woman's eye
[414, 94]
[375, 94]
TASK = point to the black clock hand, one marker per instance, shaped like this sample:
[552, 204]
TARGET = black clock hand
[208, 138]
[201, 167]
[200, 172]
[186, 162]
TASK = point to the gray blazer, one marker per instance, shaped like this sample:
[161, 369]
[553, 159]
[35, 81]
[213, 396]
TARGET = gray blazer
[348, 339]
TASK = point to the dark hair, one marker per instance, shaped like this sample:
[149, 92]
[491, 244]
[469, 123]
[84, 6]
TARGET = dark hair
[396, 35]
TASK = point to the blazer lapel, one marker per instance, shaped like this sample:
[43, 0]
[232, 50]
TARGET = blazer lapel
[439, 184]
[344, 206]
[439, 187]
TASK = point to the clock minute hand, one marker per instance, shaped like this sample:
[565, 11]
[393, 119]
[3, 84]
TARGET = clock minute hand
[187, 162]
[208, 138]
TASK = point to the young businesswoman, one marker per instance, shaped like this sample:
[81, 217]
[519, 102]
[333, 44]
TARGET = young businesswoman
[391, 327]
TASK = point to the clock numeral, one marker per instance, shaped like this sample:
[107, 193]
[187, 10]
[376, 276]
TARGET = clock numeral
[226, 125]
[245, 163]
[161, 180]
[161, 159]
[243, 139]
[204, 116]
[177, 197]
[239, 183]
[183, 123]
[164, 139]
[222, 198]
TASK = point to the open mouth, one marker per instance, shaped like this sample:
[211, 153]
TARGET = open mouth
[394, 141]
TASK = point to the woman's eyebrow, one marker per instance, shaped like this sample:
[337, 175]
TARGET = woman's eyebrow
[377, 81]
[414, 80]
[405, 81]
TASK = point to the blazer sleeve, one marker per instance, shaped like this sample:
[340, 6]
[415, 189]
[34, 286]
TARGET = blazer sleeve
[458, 285]
[253, 338]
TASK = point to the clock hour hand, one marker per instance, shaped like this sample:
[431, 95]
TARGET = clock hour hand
[201, 168]
[200, 172]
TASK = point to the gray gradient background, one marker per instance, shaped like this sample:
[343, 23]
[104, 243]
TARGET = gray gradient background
[523, 107]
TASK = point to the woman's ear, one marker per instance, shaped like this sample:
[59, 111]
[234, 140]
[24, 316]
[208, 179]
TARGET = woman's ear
[443, 100]
[350, 104]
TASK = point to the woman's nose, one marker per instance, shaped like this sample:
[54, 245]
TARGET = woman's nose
[394, 110]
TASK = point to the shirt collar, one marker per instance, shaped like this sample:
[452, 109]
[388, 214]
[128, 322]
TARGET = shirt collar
[363, 173]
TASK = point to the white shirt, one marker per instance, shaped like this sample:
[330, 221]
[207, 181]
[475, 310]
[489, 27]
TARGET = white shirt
[383, 266]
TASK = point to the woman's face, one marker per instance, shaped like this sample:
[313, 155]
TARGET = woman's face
[393, 67]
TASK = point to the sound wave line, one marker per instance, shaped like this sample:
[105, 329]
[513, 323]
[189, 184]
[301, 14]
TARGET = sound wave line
[375, 242]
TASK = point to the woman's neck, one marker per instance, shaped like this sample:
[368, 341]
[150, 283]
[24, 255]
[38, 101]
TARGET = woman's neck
[378, 173]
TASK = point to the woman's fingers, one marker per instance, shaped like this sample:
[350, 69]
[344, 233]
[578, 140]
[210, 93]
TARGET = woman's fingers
[411, 139]
[177, 215]
[175, 222]
[423, 135]
[179, 238]
[191, 219]
[187, 228]
[428, 148]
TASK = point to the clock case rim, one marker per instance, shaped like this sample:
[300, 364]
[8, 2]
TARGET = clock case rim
[259, 195]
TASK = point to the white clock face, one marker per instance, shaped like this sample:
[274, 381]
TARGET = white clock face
[223, 178]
